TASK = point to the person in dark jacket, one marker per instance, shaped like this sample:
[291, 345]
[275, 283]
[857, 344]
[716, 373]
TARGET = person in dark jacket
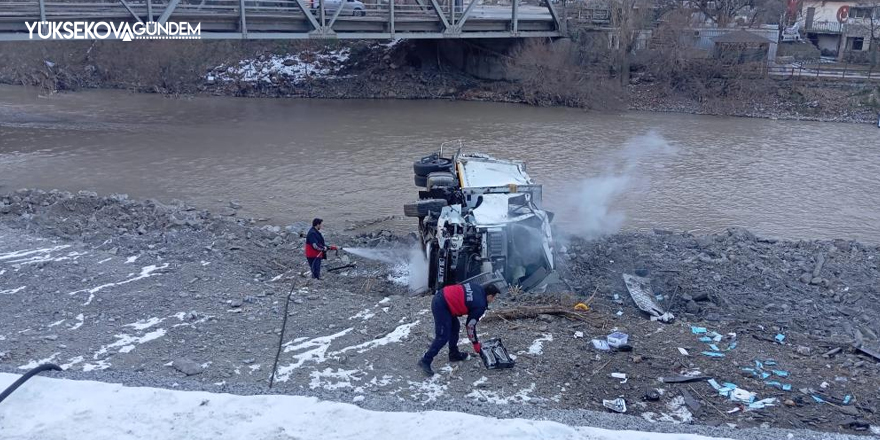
[450, 302]
[316, 249]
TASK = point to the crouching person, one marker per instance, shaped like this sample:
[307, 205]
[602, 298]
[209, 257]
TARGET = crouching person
[450, 302]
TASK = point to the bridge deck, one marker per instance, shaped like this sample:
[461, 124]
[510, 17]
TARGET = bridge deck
[297, 19]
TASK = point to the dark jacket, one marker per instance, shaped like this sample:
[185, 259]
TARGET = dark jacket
[315, 245]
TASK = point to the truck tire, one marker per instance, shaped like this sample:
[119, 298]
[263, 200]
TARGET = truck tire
[423, 207]
[421, 181]
[430, 164]
[439, 179]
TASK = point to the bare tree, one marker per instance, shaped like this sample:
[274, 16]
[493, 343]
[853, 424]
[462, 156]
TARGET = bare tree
[629, 18]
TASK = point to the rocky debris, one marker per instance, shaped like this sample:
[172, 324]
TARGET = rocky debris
[740, 284]
[187, 366]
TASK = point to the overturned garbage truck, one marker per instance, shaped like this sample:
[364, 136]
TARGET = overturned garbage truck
[480, 218]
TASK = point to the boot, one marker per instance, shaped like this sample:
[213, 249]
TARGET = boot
[457, 357]
[426, 367]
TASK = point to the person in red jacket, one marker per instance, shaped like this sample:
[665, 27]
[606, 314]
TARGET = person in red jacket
[316, 249]
[450, 302]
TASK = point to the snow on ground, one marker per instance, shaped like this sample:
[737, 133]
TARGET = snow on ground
[293, 67]
[146, 272]
[537, 346]
[45, 408]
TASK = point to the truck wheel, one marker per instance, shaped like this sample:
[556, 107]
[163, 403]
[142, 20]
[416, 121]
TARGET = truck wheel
[430, 164]
[421, 181]
[439, 179]
[423, 207]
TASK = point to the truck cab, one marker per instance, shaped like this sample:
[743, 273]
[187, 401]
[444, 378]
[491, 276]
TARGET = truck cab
[481, 217]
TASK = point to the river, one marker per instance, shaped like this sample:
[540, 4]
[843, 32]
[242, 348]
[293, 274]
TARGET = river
[351, 161]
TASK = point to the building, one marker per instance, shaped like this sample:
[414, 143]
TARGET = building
[839, 27]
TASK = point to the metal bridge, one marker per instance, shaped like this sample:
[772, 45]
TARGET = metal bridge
[299, 19]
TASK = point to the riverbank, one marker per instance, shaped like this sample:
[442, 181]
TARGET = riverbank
[396, 70]
[169, 295]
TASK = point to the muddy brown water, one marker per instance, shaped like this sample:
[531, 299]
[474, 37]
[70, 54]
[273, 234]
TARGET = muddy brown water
[350, 161]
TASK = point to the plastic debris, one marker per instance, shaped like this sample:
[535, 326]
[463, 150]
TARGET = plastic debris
[640, 290]
[713, 354]
[847, 399]
[741, 395]
[582, 306]
[818, 399]
[600, 344]
[698, 330]
[620, 376]
[683, 379]
[683, 351]
[714, 384]
[617, 405]
[780, 373]
[762, 403]
[731, 346]
[780, 338]
[714, 347]
[578, 335]
[617, 339]
[620, 313]
[706, 339]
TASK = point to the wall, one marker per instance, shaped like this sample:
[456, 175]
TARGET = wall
[485, 59]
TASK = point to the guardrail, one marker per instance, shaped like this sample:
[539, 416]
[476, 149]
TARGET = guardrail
[826, 26]
[853, 72]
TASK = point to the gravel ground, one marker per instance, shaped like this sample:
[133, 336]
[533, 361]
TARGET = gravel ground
[153, 294]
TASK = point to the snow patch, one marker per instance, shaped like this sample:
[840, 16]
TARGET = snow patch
[294, 68]
[498, 398]
[144, 324]
[481, 381]
[72, 361]
[363, 314]
[316, 351]
[18, 257]
[146, 272]
[537, 346]
[12, 291]
[56, 323]
[35, 364]
[128, 342]
[332, 380]
[55, 408]
[103, 364]
[678, 413]
[79, 322]
[397, 335]
[431, 389]
[105, 260]
[130, 260]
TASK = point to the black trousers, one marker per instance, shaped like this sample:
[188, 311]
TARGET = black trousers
[446, 328]
[315, 266]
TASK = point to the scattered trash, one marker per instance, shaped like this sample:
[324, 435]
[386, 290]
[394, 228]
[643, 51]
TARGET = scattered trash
[742, 396]
[857, 425]
[683, 351]
[780, 373]
[652, 395]
[578, 335]
[698, 330]
[617, 405]
[824, 385]
[763, 403]
[874, 353]
[713, 354]
[714, 347]
[617, 339]
[601, 345]
[706, 339]
[817, 399]
[582, 306]
[690, 401]
[847, 399]
[780, 338]
[682, 379]
[640, 290]
[714, 384]
[620, 376]
[620, 313]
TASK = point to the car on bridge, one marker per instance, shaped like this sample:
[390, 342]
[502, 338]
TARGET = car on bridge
[480, 218]
[349, 7]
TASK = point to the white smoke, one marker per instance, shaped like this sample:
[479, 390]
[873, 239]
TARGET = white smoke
[592, 203]
[409, 268]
